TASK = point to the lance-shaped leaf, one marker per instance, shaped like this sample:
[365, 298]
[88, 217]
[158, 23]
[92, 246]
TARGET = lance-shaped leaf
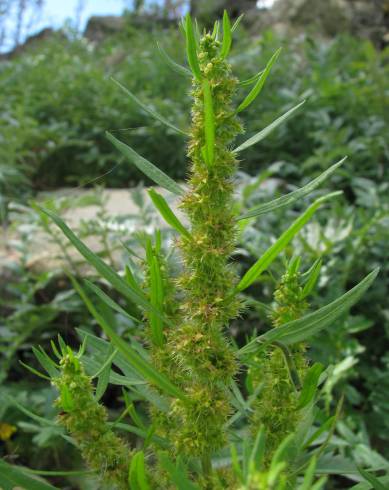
[310, 385]
[251, 80]
[227, 36]
[237, 22]
[215, 31]
[150, 170]
[191, 50]
[312, 278]
[149, 110]
[264, 132]
[377, 484]
[209, 123]
[101, 267]
[177, 472]
[167, 214]
[109, 301]
[12, 477]
[143, 367]
[137, 475]
[156, 294]
[181, 70]
[288, 199]
[303, 328]
[260, 83]
[272, 252]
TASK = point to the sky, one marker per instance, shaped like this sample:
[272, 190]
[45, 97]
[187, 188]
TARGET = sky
[57, 11]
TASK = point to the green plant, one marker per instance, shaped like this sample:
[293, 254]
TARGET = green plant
[186, 370]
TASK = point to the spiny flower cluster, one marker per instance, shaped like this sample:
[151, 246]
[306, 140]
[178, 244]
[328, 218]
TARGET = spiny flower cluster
[86, 420]
[208, 280]
[276, 408]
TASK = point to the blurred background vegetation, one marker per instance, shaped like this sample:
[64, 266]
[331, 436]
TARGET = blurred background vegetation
[57, 100]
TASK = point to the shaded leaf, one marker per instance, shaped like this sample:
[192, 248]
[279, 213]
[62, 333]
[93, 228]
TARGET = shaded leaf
[181, 70]
[167, 213]
[309, 385]
[149, 110]
[260, 83]
[272, 252]
[150, 170]
[143, 367]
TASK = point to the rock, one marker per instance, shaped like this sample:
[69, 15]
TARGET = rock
[99, 27]
[362, 18]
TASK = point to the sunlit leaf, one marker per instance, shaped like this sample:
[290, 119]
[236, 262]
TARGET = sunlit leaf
[303, 328]
[167, 213]
[209, 123]
[227, 37]
[260, 83]
[272, 252]
[191, 50]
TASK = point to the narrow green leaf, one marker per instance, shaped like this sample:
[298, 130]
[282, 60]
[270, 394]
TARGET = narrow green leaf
[374, 482]
[258, 451]
[45, 361]
[111, 354]
[35, 371]
[177, 474]
[215, 31]
[309, 385]
[143, 367]
[133, 473]
[303, 328]
[309, 475]
[236, 465]
[227, 37]
[156, 298]
[149, 110]
[237, 22]
[137, 474]
[101, 267]
[181, 70]
[266, 131]
[191, 50]
[130, 278]
[292, 197]
[150, 170]
[319, 485]
[104, 374]
[312, 278]
[12, 477]
[260, 83]
[209, 123]
[272, 252]
[251, 80]
[109, 301]
[167, 213]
